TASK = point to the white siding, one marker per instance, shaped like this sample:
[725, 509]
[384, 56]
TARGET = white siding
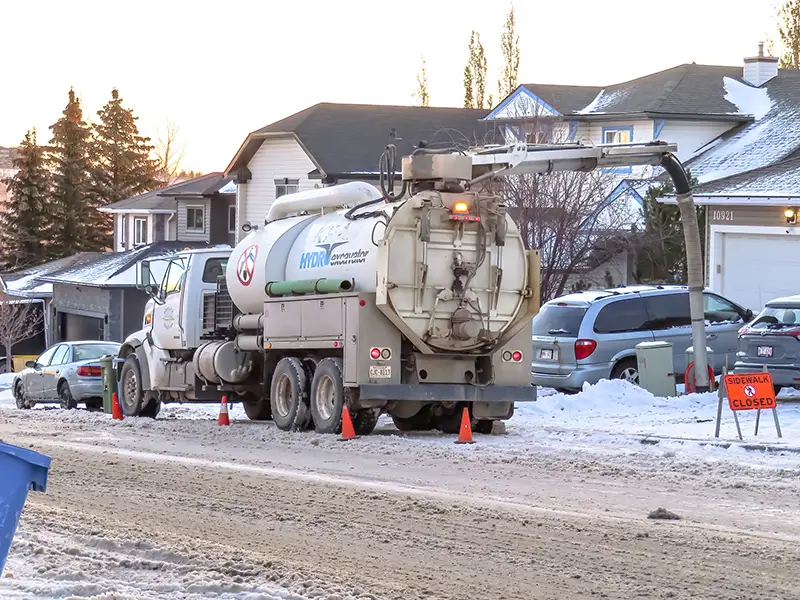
[187, 235]
[691, 135]
[275, 159]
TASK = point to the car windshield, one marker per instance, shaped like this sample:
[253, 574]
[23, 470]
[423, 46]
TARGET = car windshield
[554, 319]
[92, 351]
[777, 317]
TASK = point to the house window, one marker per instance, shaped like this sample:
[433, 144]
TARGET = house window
[123, 231]
[195, 218]
[232, 218]
[139, 231]
[617, 135]
[286, 186]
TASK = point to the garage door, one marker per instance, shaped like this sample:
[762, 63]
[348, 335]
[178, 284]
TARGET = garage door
[80, 327]
[759, 268]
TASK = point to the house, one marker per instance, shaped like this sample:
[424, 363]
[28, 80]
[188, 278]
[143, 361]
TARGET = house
[750, 183]
[96, 297]
[202, 209]
[335, 143]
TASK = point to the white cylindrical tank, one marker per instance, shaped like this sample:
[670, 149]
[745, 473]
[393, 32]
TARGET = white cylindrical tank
[307, 247]
[455, 280]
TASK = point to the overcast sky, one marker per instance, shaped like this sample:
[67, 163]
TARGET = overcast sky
[222, 69]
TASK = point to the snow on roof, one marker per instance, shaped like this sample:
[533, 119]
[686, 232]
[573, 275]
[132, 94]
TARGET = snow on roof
[603, 100]
[772, 137]
[791, 300]
[28, 282]
[780, 180]
[115, 269]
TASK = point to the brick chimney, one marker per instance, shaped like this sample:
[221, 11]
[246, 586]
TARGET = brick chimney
[760, 69]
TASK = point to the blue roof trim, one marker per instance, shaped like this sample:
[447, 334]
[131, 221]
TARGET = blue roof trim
[513, 95]
[658, 125]
[625, 186]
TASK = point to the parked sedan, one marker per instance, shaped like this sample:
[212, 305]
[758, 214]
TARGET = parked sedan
[772, 340]
[66, 373]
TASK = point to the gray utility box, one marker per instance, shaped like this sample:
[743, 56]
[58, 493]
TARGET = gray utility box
[656, 368]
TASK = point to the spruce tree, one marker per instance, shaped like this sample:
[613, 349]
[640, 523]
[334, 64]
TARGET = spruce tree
[123, 167]
[27, 223]
[73, 202]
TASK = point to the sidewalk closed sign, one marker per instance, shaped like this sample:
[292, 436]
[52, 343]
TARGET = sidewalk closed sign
[752, 391]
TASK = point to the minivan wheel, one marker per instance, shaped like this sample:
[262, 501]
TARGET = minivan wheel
[626, 370]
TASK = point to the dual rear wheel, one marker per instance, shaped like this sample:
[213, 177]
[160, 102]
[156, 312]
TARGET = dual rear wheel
[308, 394]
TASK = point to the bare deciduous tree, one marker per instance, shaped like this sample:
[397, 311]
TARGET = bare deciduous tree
[19, 321]
[169, 153]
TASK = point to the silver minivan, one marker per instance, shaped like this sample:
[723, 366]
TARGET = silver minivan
[592, 335]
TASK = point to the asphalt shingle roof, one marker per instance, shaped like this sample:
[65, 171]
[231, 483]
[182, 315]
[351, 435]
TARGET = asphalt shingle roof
[772, 137]
[114, 269]
[349, 138]
[777, 180]
[28, 282]
[685, 89]
[164, 198]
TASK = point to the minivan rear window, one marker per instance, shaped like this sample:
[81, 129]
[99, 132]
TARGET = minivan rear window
[558, 320]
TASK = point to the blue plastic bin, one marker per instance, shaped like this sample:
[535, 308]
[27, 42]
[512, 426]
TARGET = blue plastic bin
[20, 470]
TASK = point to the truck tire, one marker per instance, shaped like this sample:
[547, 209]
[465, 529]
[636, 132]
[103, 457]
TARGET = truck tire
[448, 422]
[327, 396]
[287, 397]
[257, 409]
[152, 409]
[422, 421]
[131, 393]
[365, 420]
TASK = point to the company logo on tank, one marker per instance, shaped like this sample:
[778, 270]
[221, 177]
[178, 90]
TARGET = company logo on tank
[328, 258]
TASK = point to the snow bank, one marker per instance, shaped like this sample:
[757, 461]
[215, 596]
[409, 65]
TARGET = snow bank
[6, 379]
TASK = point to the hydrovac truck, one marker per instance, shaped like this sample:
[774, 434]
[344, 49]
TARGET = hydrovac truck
[416, 304]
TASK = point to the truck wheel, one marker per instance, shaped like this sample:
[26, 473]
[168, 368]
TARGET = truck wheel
[483, 426]
[422, 421]
[257, 409]
[365, 420]
[287, 395]
[327, 396]
[131, 394]
[449, 422]
[152, 409]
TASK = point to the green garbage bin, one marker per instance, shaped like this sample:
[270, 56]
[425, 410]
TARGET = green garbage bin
[109, 381]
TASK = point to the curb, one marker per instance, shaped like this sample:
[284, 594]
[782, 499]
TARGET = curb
[655, 440]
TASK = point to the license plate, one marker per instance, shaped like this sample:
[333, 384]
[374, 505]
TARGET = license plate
[376, 372]
[765, 351]
[547, 354]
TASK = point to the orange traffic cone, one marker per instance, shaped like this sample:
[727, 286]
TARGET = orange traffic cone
[348, 433]
[465, 433]
[223, 418]
[116, 409]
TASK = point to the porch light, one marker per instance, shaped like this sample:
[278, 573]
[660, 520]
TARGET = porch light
[791, 216]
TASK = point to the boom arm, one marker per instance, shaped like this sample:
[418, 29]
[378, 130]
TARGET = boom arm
[522, 159]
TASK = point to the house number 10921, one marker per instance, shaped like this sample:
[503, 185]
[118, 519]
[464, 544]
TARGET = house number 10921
[722, 215]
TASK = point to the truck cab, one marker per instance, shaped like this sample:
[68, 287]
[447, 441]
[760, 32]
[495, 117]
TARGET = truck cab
[180, 314]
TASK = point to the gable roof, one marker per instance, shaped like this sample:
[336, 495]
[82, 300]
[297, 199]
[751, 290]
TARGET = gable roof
[114, 269]
[772, 137]
[684, 90]
[28, 282]
[779, 180]
[164, 200]
[348, 139]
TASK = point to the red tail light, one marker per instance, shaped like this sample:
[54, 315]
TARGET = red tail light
[584, 349]
[86, 371]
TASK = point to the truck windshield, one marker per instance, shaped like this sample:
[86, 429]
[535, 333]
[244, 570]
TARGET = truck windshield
[173, 278]
[558, 320]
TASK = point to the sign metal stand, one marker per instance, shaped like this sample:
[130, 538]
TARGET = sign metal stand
[751, 392]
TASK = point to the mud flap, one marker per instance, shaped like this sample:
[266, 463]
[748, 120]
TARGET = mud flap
[492, 410]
